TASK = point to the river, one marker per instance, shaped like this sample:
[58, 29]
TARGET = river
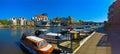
[10, 39]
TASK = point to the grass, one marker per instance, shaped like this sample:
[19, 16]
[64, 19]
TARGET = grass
[78, 41]
[76, 46]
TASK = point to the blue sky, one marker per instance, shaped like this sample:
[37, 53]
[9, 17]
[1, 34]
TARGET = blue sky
[87, 10]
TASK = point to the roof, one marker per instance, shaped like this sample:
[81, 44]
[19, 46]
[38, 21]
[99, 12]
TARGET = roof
[34, 38]
[53, 34]
[41, 16]
[42, 29]
[74, 32]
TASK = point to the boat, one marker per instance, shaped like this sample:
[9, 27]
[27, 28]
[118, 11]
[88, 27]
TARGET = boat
[69, 28]
[56, 37]
[36, 45]
[84, 29]
[50, 36]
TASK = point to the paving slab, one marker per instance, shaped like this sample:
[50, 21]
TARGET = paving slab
[90, 46]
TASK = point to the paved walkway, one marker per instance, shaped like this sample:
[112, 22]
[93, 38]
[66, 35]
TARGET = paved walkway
[90, 46]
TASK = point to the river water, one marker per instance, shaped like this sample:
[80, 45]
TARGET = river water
[10, 39]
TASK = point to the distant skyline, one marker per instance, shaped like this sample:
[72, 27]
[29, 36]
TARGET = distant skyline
[86, 10]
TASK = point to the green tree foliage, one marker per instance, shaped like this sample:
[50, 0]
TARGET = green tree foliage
[5, 22]
[58, 18]
[105, 22]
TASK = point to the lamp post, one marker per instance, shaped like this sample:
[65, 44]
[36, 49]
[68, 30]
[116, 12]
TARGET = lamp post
[71, 35]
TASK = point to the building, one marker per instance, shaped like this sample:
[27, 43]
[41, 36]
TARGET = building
[112, 27]
[29, 23]
[22, 21]
[40, 20]
[64, 21]
[14, 21]
[19, 21]
[114, 16]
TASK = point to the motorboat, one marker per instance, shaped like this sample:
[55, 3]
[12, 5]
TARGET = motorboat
[69, 28]
[50, 36]
[36, 45]
[84, 29]
[56, 37]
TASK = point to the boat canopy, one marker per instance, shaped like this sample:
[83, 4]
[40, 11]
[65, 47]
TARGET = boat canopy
[34, 38]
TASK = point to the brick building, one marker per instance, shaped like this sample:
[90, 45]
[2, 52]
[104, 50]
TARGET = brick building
[114, 16]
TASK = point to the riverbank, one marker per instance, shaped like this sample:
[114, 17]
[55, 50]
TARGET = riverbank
[4, 26]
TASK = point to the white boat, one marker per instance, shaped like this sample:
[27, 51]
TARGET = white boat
[51, 37]
[84, 29]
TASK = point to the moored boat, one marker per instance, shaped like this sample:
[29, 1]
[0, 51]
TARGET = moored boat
[51, 37]
[36, 45]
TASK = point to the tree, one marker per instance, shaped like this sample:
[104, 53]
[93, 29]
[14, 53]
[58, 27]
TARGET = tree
[5, 22]
[105, 22]
[58, 18]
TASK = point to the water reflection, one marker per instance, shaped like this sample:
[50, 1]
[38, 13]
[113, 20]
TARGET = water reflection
[14, 31]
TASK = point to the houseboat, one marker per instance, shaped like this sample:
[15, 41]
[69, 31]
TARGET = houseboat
[36, 45]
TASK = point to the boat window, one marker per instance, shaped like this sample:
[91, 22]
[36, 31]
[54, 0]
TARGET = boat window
[42, 43]
[87, 27]
[39, 44]
[59, 37]
[50, 37]
[79, 28]
[30, 43]
[33, 44]
[43, 32]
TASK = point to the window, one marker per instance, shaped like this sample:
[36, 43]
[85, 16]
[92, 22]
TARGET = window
[111, 9]
[111, 13]
[42, 43]
[31, 43]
